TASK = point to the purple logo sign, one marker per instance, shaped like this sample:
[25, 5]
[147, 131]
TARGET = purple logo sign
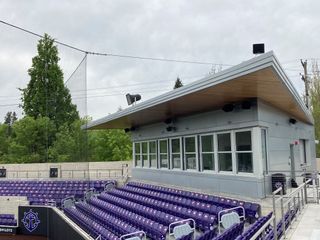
[30, 220]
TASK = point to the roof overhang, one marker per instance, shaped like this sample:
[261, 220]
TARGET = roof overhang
[261, 77]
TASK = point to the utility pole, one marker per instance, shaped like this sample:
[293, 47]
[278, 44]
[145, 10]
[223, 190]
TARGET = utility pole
[304, 78]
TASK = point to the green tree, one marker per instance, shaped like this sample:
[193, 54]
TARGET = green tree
[31, 138]
[4, 142]
[315, 102]
[178, 83]
[46, 94]
[109, 145]
[70, 144]
[9, 120]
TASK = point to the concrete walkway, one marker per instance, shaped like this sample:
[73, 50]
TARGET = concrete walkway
[307, 226]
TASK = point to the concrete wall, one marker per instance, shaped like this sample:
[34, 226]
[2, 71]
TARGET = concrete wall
[80, 170]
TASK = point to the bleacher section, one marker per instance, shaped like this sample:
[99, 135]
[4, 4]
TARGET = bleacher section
[7, 220]
[49, 192]
[149, 208]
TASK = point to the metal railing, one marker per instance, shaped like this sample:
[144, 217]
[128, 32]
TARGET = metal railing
[294, 201]
[184, 221]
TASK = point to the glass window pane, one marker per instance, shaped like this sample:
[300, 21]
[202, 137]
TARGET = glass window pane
[243, 141]
[245, 162]
[138, 160]
[137, 147]
[164, 160]
[152, 147]
[207, 143]
[175, 145]
[224, 142]
[144, 147]
[190, 143]
[153, 160]
[145, 160]
[191, 161]
[163, 146]
[208, 161]
[225, 162]
[176, 160]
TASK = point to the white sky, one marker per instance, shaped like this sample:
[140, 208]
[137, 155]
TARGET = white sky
[206, 30]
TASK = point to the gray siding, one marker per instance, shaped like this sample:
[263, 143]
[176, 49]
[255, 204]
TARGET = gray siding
[201, 123]
[281, 134]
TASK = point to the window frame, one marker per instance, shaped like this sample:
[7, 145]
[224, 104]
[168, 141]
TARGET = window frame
[159, 153]
[171, 153]
[232, 145]
[214, 152]
[134, 154]
[156, 154]
[236, 151]
[196, 153]
[145, 154]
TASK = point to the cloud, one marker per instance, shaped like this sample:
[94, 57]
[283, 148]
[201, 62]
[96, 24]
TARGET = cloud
[215, 31]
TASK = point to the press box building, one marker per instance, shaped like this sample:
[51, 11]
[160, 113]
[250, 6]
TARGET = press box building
[225, 133]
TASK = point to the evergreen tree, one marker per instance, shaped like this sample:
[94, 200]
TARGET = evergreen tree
[315, 102]
[46, 94]
[178, 83]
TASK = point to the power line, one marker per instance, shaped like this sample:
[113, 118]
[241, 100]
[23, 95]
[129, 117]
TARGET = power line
[113, 54]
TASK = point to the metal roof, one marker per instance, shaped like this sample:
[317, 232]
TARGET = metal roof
[261, 77]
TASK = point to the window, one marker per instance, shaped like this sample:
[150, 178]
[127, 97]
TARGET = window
[144, 147]
[224, 152]
[244, 151]
[176, 153]
[264, 150]
[163, 153]
[207, 152]
[303, 149]
[137, 154]
[153, 154]
[190, 148]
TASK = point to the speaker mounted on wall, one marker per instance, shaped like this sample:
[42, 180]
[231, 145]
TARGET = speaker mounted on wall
[3, 173]
[53, 172]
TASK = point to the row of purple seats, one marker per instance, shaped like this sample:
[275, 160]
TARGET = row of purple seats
[115, 225]
[153, 214]
[7, 220]
[231, 233]
[181, 201]
[6, 216]
[253, 210]
[287, 220]
[208, 235]
[91, 227]
[46, 192]
[203, 221]
[153, 229]
[248, 234]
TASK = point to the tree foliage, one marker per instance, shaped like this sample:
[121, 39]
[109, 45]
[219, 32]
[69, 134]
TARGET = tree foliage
[51, 129]
[46, 94]
[315, 102]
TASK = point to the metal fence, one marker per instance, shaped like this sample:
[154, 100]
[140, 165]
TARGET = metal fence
[292, 203]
